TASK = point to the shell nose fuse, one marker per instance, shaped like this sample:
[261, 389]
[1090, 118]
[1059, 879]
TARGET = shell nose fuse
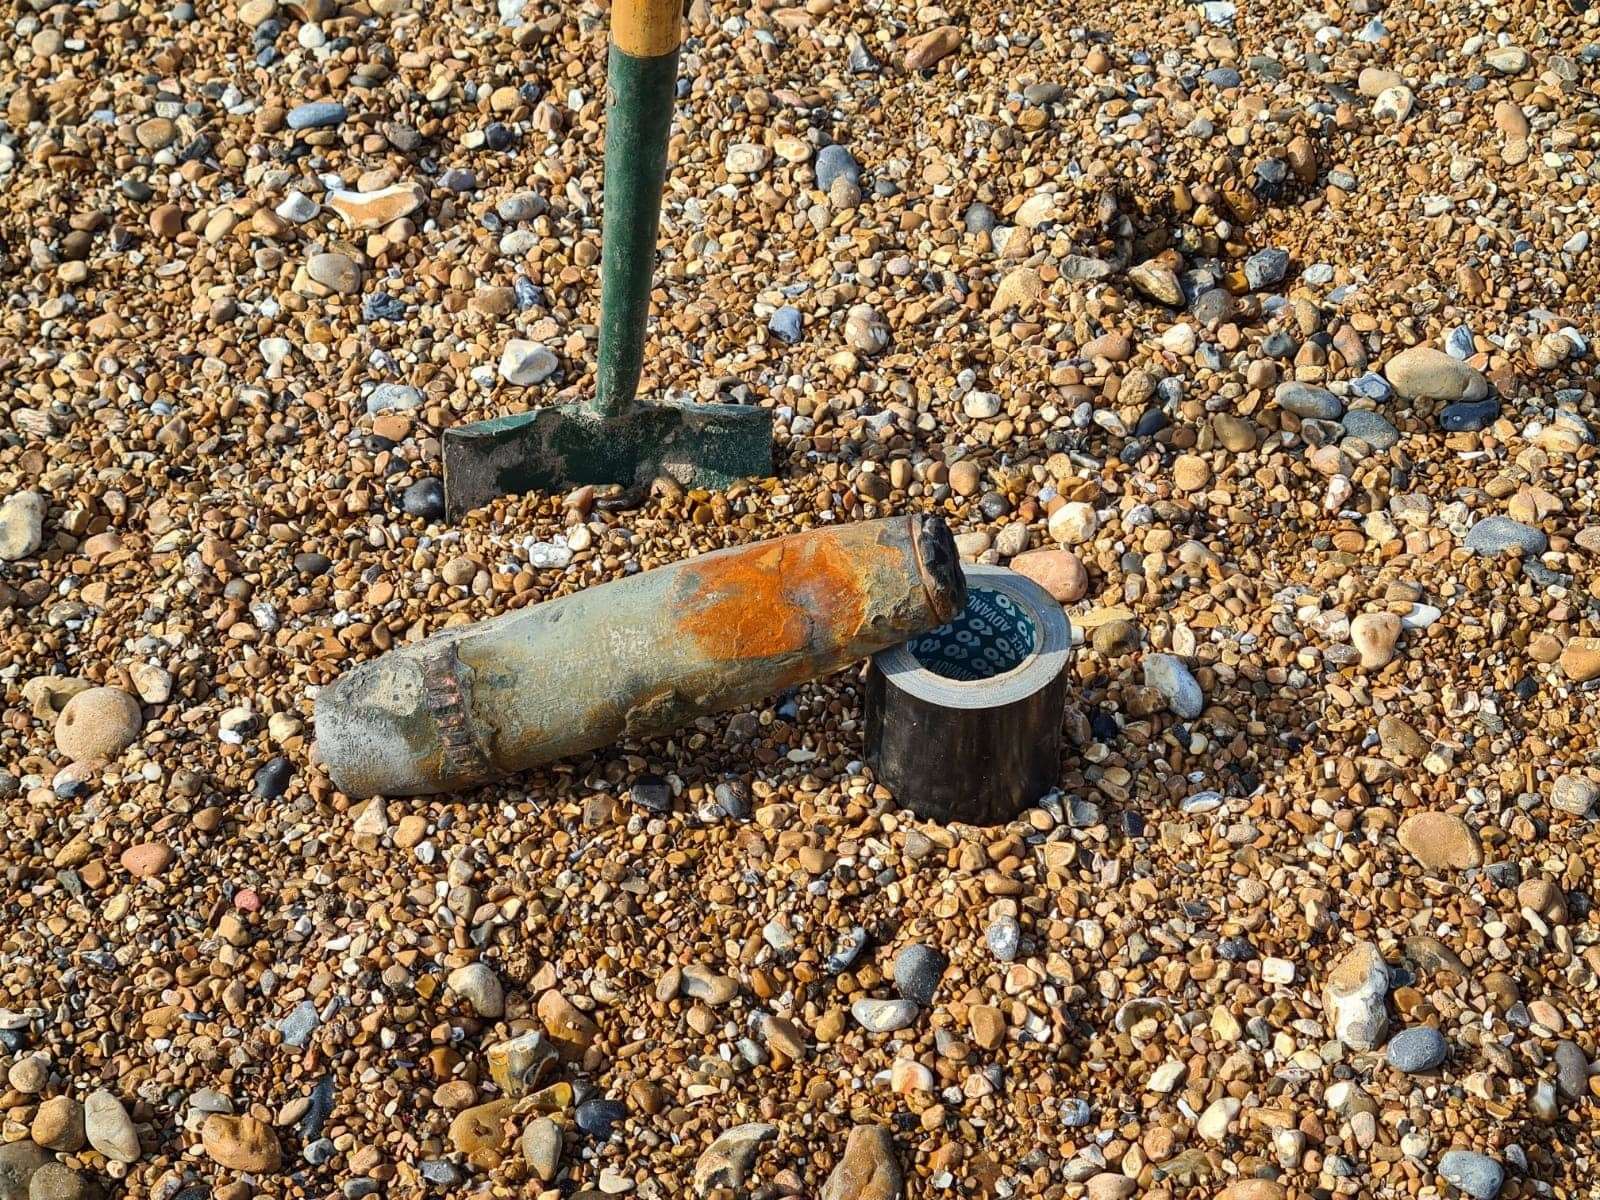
[635, 657]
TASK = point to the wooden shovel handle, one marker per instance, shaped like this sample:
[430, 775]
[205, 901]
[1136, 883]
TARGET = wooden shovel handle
[646, 28]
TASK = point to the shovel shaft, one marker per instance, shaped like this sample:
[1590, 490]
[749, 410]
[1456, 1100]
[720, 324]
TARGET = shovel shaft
[641, 79]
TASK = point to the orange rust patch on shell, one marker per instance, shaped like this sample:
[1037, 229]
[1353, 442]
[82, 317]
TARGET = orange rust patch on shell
[778, 599]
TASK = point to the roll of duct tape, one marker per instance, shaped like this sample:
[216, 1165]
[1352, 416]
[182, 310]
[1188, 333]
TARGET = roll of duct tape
[964, 723]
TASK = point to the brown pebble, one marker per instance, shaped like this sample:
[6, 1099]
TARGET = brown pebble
[147, 859]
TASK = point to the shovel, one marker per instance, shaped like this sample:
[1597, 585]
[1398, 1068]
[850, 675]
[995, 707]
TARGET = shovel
[615, 437]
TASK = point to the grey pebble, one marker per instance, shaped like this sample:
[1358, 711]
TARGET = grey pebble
[1169, 676]
[1416, 1050]
[381, 306]
[1079, 267]
[884, 1016]
[752, 1052]
[1544, 576]
[1372, 386]
[917, 971]
[1375, 430]
[1469, 416]
[318, 114]
[319, 1151]
[1264, 268]
[786, 324]
[318, 1109]
[1004, 938]
[300, 1024]
[846, 950]
[1280, 343]
[1496, 535]
[424, 498]
[521, 206]
[13, 1037]
[1308, 400]
[1213, 306]
[733, 799]
[393, 397]
[271, 779]
[979, 218]
[599, 1116]
[861, 60]
[1076, 1113]
[1478, 1175]
[438, 1171]
[835, 162]
[1572, 1070]
[652, 793]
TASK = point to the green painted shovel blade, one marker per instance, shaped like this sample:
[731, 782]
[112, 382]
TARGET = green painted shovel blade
[555, 449]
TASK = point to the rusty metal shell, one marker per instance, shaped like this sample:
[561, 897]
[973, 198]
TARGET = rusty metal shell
[634, 658]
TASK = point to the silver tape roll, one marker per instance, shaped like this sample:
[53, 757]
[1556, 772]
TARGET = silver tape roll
[964, 723]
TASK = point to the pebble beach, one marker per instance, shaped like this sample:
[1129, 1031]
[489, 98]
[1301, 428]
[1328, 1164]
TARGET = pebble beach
[1263, 337]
